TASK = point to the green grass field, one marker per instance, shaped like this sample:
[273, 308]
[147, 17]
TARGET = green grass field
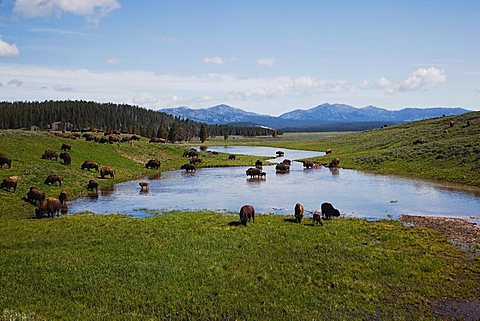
[204, 265]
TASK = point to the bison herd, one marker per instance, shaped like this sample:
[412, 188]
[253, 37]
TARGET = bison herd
[327, 211]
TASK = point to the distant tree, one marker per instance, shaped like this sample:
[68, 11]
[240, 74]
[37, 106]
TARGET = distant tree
[225, 136]
[172, 133]
[203, 133]
[274, 133]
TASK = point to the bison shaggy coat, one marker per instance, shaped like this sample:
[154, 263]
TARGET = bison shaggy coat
[247, 212]
[8, 184]
[153, 163]
[89, 165]
[329, 211]
[299, 209]
[52, 179]
[104, 171]
[35, 195]
[50, 206]
[5, 160]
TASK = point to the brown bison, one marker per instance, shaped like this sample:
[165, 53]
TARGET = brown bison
[258, 164]
[8, 184]
[105, 170]
[282, 168]
[35, 195]
[328, 211]
[135, 137]
[144, 186]
[92, 184]
[67, 160]
[89, 165]
[334, 162]
[231, 157]
[247, 212]
[287, 161]
[188, 168]
[190, 153]
[50, 154]
[89, 138]
[452, 123]
[195, 160]
[157, 140]
[66, 147]
[317, 218]
[153, 163]
[62, 197]
[52, 179]
[5, 160]
[328, 151]
[253, 171]
[299, 209]
[279, 153]
[50, 206]
[308, 164]
[103, 140]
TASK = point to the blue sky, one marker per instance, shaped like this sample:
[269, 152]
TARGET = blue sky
[263, 56]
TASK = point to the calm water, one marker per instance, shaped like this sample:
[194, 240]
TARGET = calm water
[227, 189]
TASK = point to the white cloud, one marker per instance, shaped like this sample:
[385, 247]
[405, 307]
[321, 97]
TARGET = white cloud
[213, 61]
[60, 32]
[268, 62]
[382, 82]
[8, 50]
[422, 79]
[92, 9]
[15, 82]
[111, 61]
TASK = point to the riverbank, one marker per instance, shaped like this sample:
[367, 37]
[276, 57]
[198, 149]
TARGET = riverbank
[205, 265]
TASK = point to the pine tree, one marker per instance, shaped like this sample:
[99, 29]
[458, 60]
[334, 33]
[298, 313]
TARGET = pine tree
[203, 133]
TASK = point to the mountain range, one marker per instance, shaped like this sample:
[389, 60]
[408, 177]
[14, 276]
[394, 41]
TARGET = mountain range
[318, 116]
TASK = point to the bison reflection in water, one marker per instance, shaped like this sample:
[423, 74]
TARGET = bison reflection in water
[107, 191]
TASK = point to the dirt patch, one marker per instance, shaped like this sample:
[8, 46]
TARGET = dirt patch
[458, 310]
[456, 229]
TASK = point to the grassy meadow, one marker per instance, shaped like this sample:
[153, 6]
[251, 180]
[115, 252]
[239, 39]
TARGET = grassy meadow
[205, 265]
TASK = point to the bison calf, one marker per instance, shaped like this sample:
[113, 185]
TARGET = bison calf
[317, 218]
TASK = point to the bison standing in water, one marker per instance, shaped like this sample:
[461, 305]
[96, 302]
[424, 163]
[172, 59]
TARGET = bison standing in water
[188, 168]
[5, 160]
[329, 211]
[247, 212]
[92, 184]
[308, 164]
[153, 163]
[334, 162]
[252, 172]
[299, 209]
[282, 168]
[67, 160]
[104, 171]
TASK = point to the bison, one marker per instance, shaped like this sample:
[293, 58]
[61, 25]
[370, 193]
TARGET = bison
[67, 160]
[89, 165]
[247, 212]
[328, 211]
[253, 171]
[258, 164]
[35, 195]
[452, 123]
[8, 184]
[195, 160]
[66, 147]
[92, 184]
[317, 218]
[287, 161]
[231, 157]
[50, 206]
[157, 140]
[50, 154]
[135, 137]
[328, 151]
[279, 153]
[144, 186]
[334, 162]
[105, 170]
[52, 179]
[190, 153]
[308, 164]
[153, 163]
[5, 160]
[282, 168]
[62, 197]
[188, 168]
[299, 209]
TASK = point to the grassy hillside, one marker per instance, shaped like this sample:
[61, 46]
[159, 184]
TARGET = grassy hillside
[452, 156]
[203, 266]
[128, 161]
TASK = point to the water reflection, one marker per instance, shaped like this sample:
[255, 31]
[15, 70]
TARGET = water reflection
[227, 189]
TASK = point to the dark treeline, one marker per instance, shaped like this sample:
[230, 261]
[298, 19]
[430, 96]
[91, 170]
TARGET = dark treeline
[339, 127]
[87, 115]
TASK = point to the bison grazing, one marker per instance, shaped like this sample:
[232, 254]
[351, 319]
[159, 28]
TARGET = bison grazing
[5, 160]
[247, 212]
[328, 151]
[50, 154]
[308, 164]
[62, 197]
[334, 162]
[258, 164]
[231, 157]
[253, 171]
[135, 137]
[299, 209]
[157, 140]
[153, 163]
[104, 171]
[35, 195]
[52, 179]
[329, 211]
[282, 168]
[317, 218]
[8, 184]
[50, 206]
[66, 147]
[92, 184]
[67, 160]
[89, 165]
[144, 186]
[188, 168]
[190, 153]
[195, 160]
[103, 140]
